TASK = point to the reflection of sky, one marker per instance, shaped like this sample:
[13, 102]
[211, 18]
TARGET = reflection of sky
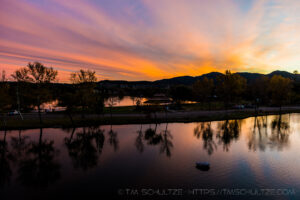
[238, 167]
[137, 40]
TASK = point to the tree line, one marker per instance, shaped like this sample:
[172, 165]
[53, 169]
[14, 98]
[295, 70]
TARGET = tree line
[232, 89]
[36, 84]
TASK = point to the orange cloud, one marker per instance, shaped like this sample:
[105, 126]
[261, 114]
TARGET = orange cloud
[138, 40]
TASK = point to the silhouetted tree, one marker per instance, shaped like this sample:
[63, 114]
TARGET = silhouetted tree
[259, 91]
[69, 100]
[85, 147]
[166, 142]
[181, 93]
[41, 76]
[230, 87]
[203, 90]
[137, 101]
[280, 89]
[112, 101]
[5, 98]
[84, 83]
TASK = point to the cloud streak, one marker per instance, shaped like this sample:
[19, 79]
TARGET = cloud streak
[145, 39]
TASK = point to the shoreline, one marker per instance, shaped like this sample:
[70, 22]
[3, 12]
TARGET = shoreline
[61, 120]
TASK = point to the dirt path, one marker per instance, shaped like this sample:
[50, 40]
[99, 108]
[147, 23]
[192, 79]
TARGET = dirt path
[31, 120]
[201, 113]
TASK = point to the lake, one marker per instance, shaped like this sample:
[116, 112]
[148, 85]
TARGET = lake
[124, 101]
[253, 158]
[128, 101]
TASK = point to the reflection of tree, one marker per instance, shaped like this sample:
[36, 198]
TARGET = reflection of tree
[139, 140]
[38, 167]
[69, 140]
[5, 170]
[259, 136]
[99, 139]
[280, 132]
[152, 137]
[166, 142]
[19, 146]
[113, 139]
[164, 138]
[204, 129]
[228, 130]
[84, 147]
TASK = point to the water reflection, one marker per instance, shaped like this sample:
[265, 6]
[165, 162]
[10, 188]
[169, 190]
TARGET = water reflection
[152, 137]
[280, 132]
[38, 159]
[139, 144]
[277, 137]
[163, 138]
[228, 131]
[38, 167]
[259, 136]
[225, 132]
[204, 131]
[19, 145]
[5, 168]
[85, 147]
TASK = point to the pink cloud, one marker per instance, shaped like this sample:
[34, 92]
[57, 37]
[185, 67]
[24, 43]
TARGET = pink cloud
[148, 40]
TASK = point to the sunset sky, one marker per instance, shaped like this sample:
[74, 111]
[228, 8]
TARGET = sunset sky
[150, 39]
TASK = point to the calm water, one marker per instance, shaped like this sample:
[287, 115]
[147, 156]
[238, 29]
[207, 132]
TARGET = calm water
[128, 101]
[254, 153]
[125, 101]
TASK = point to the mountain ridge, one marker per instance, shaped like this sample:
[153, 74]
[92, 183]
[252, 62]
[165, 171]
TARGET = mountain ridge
[189, 80]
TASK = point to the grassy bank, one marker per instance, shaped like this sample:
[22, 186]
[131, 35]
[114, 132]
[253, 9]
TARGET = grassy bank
[59, 120]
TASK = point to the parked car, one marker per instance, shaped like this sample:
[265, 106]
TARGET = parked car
[49, 110]
[13, 112]
[239, 107]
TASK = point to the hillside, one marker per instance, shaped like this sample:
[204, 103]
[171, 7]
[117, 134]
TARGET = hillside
[189, 80]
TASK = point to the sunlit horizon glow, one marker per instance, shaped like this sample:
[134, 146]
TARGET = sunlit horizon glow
[147, 40]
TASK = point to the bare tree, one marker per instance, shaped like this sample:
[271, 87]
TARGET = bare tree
[39, 75]
[5, 98]
[112, 101]
[84, 83]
